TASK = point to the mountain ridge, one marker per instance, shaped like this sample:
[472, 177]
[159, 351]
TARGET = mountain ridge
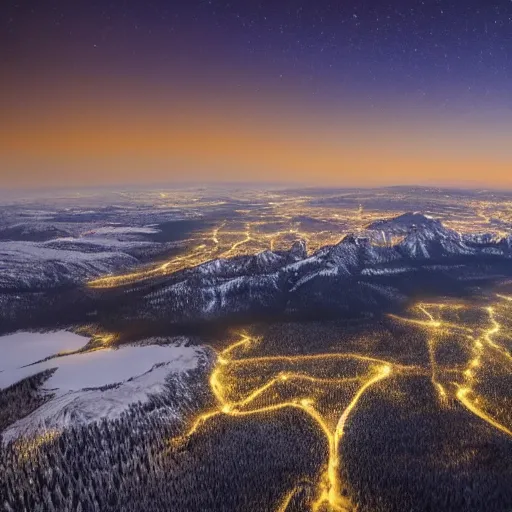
[369, 271]
[355, 273]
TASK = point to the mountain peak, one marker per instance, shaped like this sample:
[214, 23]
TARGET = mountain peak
[298, 250]
[406, 221]
[352, 238]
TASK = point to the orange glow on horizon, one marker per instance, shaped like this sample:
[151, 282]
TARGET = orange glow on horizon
[88, 143]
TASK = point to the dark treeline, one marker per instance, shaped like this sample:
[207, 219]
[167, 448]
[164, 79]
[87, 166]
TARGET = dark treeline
[22, 398]
[136, 463]
[105, 466]
[393, 458]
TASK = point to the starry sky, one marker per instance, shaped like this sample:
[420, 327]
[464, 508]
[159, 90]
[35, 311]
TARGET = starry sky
[356, 93]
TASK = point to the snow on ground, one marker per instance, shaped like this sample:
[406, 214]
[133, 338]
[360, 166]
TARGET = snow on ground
[28, 264]
[102, 367]
[26, 251]
[22, 348]
[70, 259]
[102, 241]
[114, 230]
[134, 372]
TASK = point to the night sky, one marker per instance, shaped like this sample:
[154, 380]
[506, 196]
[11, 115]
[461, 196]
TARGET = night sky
[355, 93]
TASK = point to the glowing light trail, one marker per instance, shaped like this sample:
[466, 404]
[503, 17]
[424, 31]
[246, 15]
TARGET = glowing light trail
[476, 363]
[432, 352]
[330, 488]
[330, 495]
[331, 491]
[287, 499]
[463, 398]
[489, 333]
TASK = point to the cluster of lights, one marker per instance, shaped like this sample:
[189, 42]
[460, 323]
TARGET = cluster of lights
[265, 232]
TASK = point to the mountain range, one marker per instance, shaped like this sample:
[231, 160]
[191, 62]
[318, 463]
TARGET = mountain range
[376, 269]
[383, 265]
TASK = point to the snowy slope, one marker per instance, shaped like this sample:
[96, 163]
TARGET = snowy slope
[23, 348]
[271, 281]
[102, 384]
[51, 259]
[34, 265]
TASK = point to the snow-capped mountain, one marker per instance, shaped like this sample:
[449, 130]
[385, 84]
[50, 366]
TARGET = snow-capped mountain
[383, 265]
[28, 265]
[354, 273]
[418, 236]
[427, 243]
[69, 260]
[405, 223]
[479, 239]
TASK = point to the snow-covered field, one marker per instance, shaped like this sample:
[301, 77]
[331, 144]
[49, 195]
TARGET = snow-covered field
[124, 230]
[23, 348]
[94, 369]
[131, 373]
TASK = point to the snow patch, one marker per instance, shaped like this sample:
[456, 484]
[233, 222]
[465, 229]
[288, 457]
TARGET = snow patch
[385, 271]
[23, 348]
[133, 374]
[100, 368]
[123, 230]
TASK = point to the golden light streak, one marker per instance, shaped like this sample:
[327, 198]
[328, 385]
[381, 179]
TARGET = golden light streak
[463, 398]
[200, 420]
[287, 499]
[431, 324]
[234, 247]
[195, 257]
[329, 491]
[434, 323]
[246, 340]
[494, 329]
[485, 338]
[431, 342]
